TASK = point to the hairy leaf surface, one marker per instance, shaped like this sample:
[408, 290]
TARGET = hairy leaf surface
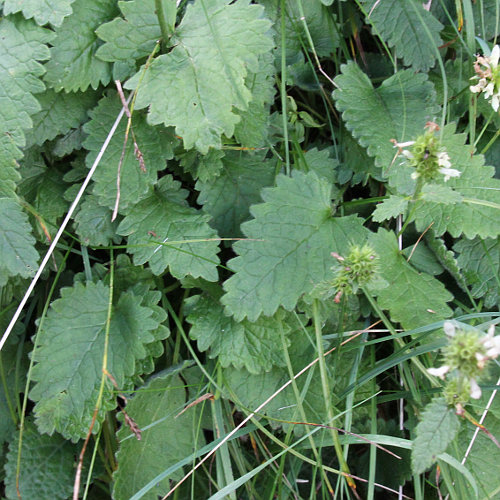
[72, 64]
[18, 256]
[289, 246]
[136, 35]
[166, 437]
[413, 298]
[43, 11]
[199, 84]
[434, 433]
[136, 182]
[408, 27]
[158, 226]
[47, 466]
[255, 346]
[398, 109]
[473, 217]
[228, 197]
[68, 367]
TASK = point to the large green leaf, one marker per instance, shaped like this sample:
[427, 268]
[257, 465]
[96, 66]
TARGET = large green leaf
[18, 256]
[43, 11]
[407, 26]
[136, 35]
[473, 217]
[47, 466]
[398, 109]
[228, 197]
[136, 181]
[255, 346]
[289, 246]
[413, 298]
[166, 437]
[197, 86]
[165, 219]
[22, 45]
[73, 65]
[434, 433]
[480, 261]
[70, 355]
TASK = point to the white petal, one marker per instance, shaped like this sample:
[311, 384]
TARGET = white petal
[491, 331]
[404, 144]
[495, 101]
[449, 328]
[439, 372]
[444, 159]
[488, 91]
[449, 172]
[495, 55]
[475, 390]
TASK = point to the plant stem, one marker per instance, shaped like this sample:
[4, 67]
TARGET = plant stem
[160, 14]
[326, 395]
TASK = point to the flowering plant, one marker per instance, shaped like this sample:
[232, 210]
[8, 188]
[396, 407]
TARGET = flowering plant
[488, 76]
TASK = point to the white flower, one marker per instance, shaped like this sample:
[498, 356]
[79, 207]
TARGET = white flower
[449, 328]
[444, 159]
[475, 390]
[439, 372]
[491, 343]
[488, 76]
[445, 164]
[495, 55]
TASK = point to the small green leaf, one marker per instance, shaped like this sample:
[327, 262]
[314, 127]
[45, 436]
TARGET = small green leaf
[288, 251]
[390, 208]
[167, 437]
[197, 86]
[228, 197]
[434, 433]
[398, 109]
[156, 228]
[413, 298]
[93, 223]
[136, 180]
[68, 367]
[440, 194]
[414, 35]
[43, 11]
[255, 346]
[18, 256]
[73, 65]
[47, 466]
[136, 35]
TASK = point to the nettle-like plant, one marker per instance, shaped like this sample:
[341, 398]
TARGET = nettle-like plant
[275, 213]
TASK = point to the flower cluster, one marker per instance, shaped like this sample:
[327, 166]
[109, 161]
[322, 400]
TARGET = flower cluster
[488, 74]
[465, 358]
[427, 156]
[354, 271]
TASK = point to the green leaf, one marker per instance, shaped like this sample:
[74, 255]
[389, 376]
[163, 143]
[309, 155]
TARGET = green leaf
[73, 65]
[197, 86]
[253, 129]
[228, 197]
[440, 194]
[480, 261]
[23, 45]
[47, 466]
[158, 226]
[471, 217]
[93, 224]
[59, 114]
[18, 256]
[155, 144]
[434, 433]
[289, 246]
[390, 208]
[203, 167]
[398, 109]
[413, 298]
[166, 436]
[68, 367]
[414, 35]
[136, 35]
[43, 11]
[255, 346]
